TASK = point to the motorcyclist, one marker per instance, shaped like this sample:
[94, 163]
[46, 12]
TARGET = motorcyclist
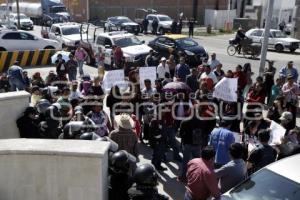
[239, 37]
[51, 127]
[72, 130]
[146, 180]
[120, 179]
[41, 107]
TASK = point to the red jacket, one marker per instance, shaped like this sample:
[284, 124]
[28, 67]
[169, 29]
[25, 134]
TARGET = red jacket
[242, 79]
[256, 98]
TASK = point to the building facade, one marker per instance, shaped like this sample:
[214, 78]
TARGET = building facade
[82, 10]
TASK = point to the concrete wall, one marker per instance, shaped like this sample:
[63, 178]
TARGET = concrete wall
[53, 170]
[12, 105]
[218, 18]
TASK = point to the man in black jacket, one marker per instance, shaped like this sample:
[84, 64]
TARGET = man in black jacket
[28, 124]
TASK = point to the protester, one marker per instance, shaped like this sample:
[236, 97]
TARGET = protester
[241, 76]
[233, 172]
[150, 60]
[193, 140]
[262, 155]
[172, 65]
[15, 77]
[192, 80]
[269, 79]
[80, 56]
[4, 83]
[72, 66]
[289, 70]
[201, 178]
[213, 62]
[123, 134]
[219, 73]
[221, 138]
[209, 77]
[61, 68]
[291, 91]
[37, 80]
[163, 68]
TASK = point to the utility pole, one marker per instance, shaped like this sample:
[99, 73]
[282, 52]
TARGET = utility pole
[266, 37]
[7, 12]
[18, 13]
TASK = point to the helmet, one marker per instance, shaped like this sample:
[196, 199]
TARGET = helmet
[120, 161]
[89, 136]
[145, 175]
[42, 105]
[72, 129]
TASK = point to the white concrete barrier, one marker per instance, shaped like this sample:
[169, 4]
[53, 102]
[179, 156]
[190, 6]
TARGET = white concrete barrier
[53, 169]
[12, 105]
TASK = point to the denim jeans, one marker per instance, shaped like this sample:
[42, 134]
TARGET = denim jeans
[80, 66]
[158, 153]
[16, 84]
[171, 139]
[72, 75]
[189, 152]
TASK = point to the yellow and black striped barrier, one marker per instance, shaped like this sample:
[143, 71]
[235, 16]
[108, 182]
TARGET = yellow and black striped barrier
[26, 58]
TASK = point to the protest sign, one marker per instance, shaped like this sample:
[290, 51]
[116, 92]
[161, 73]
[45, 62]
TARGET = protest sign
[147, 73]
[112, 78]
[277, 133]
[226, 89]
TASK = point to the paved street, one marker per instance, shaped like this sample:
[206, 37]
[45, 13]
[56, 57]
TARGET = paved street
[217, 44]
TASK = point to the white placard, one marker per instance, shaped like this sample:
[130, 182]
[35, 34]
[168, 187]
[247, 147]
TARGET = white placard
[112, 78]
[226, 89]
[147, 73]
[277, 133]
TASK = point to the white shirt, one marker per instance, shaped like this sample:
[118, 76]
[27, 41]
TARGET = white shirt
[211, 75]
[162, 70]
[213, 64]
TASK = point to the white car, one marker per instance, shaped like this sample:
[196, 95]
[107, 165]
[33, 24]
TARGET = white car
[134, 50]
[277, 39]
[277, 181]
[67, 34]
[164, 23]
[25, 22]
[22, 40]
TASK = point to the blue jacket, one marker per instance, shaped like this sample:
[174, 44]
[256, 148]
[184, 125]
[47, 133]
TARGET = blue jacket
[284, 73]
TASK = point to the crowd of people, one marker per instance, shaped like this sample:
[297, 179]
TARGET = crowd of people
[180, 107]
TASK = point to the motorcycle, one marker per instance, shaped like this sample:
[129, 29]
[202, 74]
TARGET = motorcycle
[247, 47]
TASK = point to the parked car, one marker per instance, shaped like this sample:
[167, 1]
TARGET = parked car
[277, 40]
[25, 22]
[67, 34]
[141, 13]
[164, 23]
[121, 23]
[279, 180]
[21, 40]
[174, 43]
[134, 50]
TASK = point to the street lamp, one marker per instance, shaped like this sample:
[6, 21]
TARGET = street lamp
[266, 38]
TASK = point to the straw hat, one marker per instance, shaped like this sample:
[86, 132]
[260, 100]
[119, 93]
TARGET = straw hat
[124, 121]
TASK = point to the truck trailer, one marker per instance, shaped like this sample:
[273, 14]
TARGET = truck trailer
[43, 11]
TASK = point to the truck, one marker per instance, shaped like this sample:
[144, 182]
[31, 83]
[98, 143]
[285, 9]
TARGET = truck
[43, 11]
